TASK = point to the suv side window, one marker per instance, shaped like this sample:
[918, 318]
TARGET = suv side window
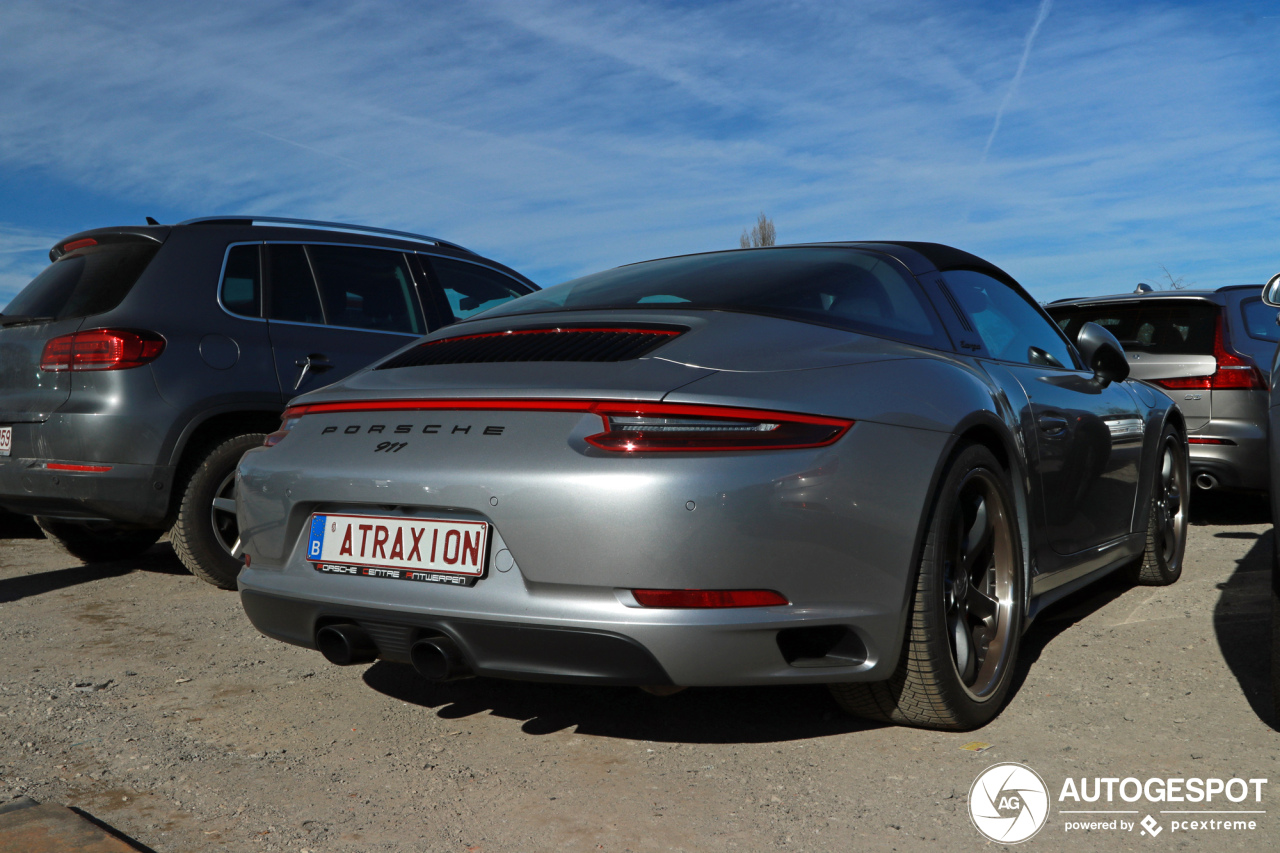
[470, 288]
[242, 282]
[293, 290]
[366, 289]
[1260, 320]
[1010, 326]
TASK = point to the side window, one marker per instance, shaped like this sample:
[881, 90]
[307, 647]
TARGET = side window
[242, 282]
[471, 288]
[1260, 320]
[366, 289]
[1010, 326]
[293, 291]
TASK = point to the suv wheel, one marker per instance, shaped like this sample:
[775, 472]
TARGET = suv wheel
[206, 528]
[97, 542]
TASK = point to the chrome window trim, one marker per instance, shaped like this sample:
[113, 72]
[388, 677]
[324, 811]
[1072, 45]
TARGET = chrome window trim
[226, 255]
[222, 277]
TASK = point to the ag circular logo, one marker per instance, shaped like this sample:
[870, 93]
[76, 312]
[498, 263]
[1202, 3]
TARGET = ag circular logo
[1008, 803]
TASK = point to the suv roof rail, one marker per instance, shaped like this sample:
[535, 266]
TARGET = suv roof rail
[330, 226]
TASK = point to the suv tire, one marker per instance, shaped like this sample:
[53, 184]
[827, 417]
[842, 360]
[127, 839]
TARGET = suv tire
[205, 531]
[97, 542]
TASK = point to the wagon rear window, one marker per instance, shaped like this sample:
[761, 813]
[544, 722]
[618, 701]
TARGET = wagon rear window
[1173, 327]
[846, 288]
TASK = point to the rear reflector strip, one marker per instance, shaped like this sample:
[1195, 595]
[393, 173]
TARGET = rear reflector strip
[1226, 441]
[708, 598]
[88, 469]
[631, 427]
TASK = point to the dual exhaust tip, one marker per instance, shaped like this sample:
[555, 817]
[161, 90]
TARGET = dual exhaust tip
[435, 658]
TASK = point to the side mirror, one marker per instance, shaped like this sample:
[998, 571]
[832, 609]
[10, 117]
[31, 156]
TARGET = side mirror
[1271, 293]
[1102, 353]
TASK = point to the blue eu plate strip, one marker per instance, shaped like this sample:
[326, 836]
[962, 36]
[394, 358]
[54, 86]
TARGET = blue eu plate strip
[316, 546]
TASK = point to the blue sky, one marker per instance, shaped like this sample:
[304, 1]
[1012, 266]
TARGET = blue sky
[1080, 145]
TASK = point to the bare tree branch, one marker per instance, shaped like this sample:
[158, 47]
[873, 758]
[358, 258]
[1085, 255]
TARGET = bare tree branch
[763, 234]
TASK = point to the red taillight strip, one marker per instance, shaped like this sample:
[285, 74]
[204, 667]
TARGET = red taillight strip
[623, 330]
[1194, 440]
[708, 598]
[90, 469]
[602, 408]
[79, 244]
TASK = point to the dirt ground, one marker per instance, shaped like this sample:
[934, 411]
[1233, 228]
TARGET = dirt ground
[144, 697]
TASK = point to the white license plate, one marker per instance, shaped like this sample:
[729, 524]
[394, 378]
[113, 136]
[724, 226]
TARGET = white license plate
[421, 549]
[6, 440]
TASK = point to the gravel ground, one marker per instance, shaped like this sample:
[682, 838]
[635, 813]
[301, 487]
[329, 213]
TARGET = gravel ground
[139, 694]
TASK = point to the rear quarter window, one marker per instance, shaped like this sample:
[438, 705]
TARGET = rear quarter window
[87, 281]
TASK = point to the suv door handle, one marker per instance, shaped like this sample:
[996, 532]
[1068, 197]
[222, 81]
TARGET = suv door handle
[1052, 424]
[317, 362]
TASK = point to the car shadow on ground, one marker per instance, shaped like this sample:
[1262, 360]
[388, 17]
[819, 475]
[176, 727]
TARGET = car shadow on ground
[696, 715]
[159, 559]
[15, 526]
[1242, 613]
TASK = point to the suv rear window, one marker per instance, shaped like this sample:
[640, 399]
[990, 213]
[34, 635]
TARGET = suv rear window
[845, 288]
[87, 281]
[1171, 327]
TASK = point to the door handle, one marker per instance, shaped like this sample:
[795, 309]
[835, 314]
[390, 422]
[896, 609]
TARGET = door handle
[1052, 424]
[317, 362]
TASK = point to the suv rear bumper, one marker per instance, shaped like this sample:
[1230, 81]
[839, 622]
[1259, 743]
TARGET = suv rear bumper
[1242, 465]
[128, 494]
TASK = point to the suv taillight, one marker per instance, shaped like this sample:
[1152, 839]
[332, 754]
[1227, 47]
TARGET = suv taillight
[1235, 372]
[101, 349]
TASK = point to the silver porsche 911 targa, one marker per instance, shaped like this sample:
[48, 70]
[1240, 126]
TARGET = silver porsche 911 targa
[862, 464]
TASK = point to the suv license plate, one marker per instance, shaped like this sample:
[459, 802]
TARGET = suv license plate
[419, 549]
[6, 440]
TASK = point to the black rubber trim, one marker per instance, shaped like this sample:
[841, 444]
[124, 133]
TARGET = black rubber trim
[494, 649]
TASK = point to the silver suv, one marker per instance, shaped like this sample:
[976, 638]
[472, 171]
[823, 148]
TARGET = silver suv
[1210, 350]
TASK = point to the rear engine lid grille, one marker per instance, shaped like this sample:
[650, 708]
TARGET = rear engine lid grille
[550, 343]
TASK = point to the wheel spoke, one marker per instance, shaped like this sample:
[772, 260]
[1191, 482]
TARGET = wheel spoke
[982, 605]
[225, 504]
[977, 537]
[962, 643]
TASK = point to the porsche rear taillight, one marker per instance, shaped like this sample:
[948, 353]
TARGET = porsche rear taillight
[634, 427]
[645, 428]
[1235, 372]
[101, 349]
[288, 421]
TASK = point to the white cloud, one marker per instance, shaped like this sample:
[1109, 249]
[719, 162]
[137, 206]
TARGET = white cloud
[563, 136]
[23, 254]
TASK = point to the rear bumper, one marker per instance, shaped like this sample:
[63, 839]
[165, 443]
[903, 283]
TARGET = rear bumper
[1242, 465]
[127, 494]
[509, 627]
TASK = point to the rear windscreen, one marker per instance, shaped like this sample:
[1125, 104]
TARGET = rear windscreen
[1173, 327]
[846, 288]
[87, 281]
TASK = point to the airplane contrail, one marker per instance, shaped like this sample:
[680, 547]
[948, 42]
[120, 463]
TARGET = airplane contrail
[1045, 6]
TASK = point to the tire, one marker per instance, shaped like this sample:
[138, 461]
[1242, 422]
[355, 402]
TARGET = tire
[205, 529]
[1161, 562]
[98, 542]
[965, 621]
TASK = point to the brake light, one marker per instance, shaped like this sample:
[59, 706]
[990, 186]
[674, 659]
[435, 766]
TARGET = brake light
[1235, 372]
[643, 427]
[288, 421]
[79, 244]
[707, 598]
[635, 427]
[101, 349]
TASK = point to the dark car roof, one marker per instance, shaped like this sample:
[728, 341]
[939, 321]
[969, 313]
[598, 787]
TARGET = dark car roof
[1203, 293]
[301, 230]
